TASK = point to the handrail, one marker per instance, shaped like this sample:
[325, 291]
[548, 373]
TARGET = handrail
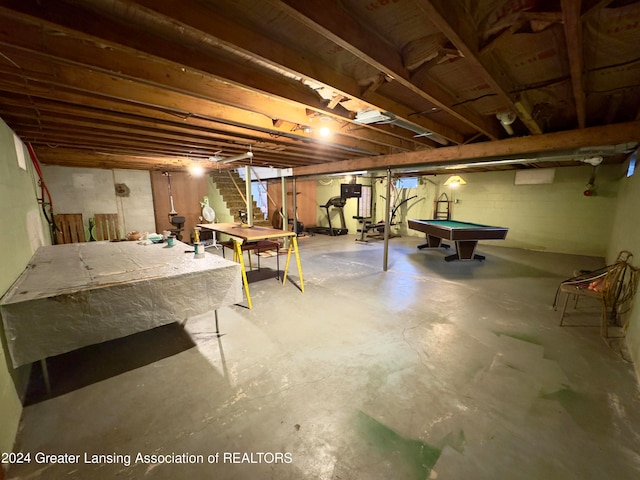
[265, 188]
[273, 202]
[237, 188]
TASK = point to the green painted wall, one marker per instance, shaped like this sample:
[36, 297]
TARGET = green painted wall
[554, 217]
[330, 187]
[22, 233]
[626, 236]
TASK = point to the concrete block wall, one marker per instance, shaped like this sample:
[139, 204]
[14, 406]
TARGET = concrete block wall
[92, 190]
[554, 217]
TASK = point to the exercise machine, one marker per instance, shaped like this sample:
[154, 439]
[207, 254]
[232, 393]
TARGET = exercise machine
[336, 203]
[367, 225]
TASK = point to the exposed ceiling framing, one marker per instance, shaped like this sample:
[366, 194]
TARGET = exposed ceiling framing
[162, 85]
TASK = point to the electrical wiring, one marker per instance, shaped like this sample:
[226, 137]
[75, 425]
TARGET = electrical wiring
[44, 190]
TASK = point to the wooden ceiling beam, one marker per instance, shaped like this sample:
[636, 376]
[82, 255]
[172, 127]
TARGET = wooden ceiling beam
[89, 28]
[73, 46]
[298, 154]
[573, 37]
[457, 27]
[74, 157]
[113, 143]
[331, 21]
[156, 74]
[113, 140]
[90, 126]
[110, 86]
[67, 131]
[69, 156]
[225, 135]
[223, 33]
[98, 42]
[508, 148]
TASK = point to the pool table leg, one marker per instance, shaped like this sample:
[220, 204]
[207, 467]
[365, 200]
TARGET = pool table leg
[433, 242]
[465, 250]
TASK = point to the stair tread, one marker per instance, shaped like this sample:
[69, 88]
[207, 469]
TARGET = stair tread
[232, 198]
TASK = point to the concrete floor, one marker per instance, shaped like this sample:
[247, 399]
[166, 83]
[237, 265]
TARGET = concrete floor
[430, 370]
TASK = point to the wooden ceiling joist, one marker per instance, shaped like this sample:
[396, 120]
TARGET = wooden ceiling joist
[233, 37]
[183, 78]
[573, 33]
[89, 52]
[334, 23]
[457, 29]
[508, 148]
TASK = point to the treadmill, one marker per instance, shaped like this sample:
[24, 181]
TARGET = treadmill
[338, 203]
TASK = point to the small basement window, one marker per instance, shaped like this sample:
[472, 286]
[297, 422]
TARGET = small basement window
[407, 182]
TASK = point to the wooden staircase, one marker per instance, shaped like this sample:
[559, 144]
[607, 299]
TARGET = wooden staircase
[229, 201]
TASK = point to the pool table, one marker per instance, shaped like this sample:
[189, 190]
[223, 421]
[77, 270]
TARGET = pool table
[465, 234]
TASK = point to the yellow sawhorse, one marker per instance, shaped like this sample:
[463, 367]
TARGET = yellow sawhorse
[239, 234]
[239, 257]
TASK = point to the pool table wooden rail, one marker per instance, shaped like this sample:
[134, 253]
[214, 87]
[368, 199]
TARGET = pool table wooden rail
[465, 234]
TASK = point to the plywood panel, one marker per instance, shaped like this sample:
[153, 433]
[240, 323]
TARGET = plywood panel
[305, 200]
[187, 192]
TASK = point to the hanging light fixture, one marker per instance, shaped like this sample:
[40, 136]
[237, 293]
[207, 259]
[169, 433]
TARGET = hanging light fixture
[196, 170]
[454, 180]
[324, 132]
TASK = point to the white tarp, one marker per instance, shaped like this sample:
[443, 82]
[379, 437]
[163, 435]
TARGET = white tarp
[75, 295]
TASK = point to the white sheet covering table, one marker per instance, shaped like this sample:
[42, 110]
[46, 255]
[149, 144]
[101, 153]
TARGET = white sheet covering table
[80, 294]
